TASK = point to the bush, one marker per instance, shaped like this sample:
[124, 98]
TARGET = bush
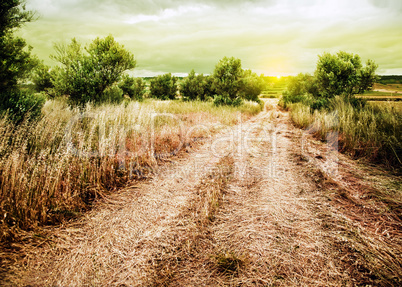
[18, 104]
[220, 100]
[343, 75]
[42, 78]
[228, 80]
[112, 94]
[86, 74]
[252, 86]
[133, 87]
[196, 87]
[164, 87]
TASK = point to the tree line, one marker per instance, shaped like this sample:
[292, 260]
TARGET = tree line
[97, 73]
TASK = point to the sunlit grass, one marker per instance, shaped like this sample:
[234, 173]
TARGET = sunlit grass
[373, 131]
[54, 168]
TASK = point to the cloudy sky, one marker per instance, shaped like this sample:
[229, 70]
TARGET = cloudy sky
[274, 37]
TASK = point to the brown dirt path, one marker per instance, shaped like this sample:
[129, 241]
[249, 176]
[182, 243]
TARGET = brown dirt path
[268, 219]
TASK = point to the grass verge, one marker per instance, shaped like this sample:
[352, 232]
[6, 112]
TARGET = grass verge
[373, 132]
[53, 169]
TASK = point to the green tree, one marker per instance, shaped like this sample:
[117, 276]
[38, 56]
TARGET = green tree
[16, 62]
[164, 87]
[252, 86]
[228, 81]
[86, 74]
[343, 74]
[195, 87]
[133, 87]
[42, 78]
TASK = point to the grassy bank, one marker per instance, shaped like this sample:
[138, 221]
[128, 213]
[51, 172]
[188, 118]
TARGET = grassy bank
[374, 132]
[52, 169]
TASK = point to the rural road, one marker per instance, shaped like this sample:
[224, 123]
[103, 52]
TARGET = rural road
[276, 222]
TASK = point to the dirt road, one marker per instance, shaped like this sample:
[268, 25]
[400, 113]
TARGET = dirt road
[252, 206]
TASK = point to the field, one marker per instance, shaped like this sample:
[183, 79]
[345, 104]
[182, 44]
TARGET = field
[54, 169]
[174, 193]
[249, 200]
[274, 87]
[397, 106]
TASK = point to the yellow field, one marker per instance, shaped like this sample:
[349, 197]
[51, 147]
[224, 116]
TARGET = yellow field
[391, 104]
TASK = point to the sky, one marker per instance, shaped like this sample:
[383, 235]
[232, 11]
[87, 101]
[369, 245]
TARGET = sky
[272, 37]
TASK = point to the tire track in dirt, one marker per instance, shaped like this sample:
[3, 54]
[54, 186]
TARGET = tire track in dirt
[113, 244]
[258, 217]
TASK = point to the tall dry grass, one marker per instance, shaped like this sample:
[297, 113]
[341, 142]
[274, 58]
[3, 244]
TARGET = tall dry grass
[374, 132]
[54, 168]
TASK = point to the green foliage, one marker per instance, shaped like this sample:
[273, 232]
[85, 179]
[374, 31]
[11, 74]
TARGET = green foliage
[343, 74]
[13, 14]
[112, 94]
[252, 86]
[164, 87]
[42, 78]
[133, 87]
[17, 104]
[16, 63]
[86, 74]
[196, 87]
[220, 100]
[228, 79]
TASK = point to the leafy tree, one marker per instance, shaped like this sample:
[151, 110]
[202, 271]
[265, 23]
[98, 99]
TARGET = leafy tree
[42, 78]
[209, 89]
[16, 62]
[86, 74]
[164, 87]
[252, 86]
[133, 87]
[196, 87]
[343, 74]
[228, 79]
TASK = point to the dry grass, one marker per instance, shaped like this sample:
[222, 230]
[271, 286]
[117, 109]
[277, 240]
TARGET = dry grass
[53, 169]
[247, 219]
[372, 132]
[363, 224]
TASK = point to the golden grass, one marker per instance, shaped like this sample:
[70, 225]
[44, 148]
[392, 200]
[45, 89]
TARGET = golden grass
[372, 131]
[388, 105]
[53, 169]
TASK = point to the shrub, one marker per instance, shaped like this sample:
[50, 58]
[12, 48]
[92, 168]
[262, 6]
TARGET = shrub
[133, 87]
[220, 100]
[17, 104]
[42, 78]
[85, 75]
[252, 86]
[196, 87]
[112, 94]
[228, 81]
[343, 74]
[164, 87]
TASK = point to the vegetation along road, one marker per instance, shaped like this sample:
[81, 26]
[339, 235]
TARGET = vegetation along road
[258, 204]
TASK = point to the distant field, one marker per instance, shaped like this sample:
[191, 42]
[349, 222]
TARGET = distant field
[381, 96]
[390, 87]
[393, 105]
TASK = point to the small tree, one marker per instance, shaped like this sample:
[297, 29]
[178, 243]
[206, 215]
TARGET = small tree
[195, 87]
[228, 79]
[16, 62]
[252, 86]
[133, 87]
[42, 78]
[343, 74]
[86, 74]
[164, 87]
